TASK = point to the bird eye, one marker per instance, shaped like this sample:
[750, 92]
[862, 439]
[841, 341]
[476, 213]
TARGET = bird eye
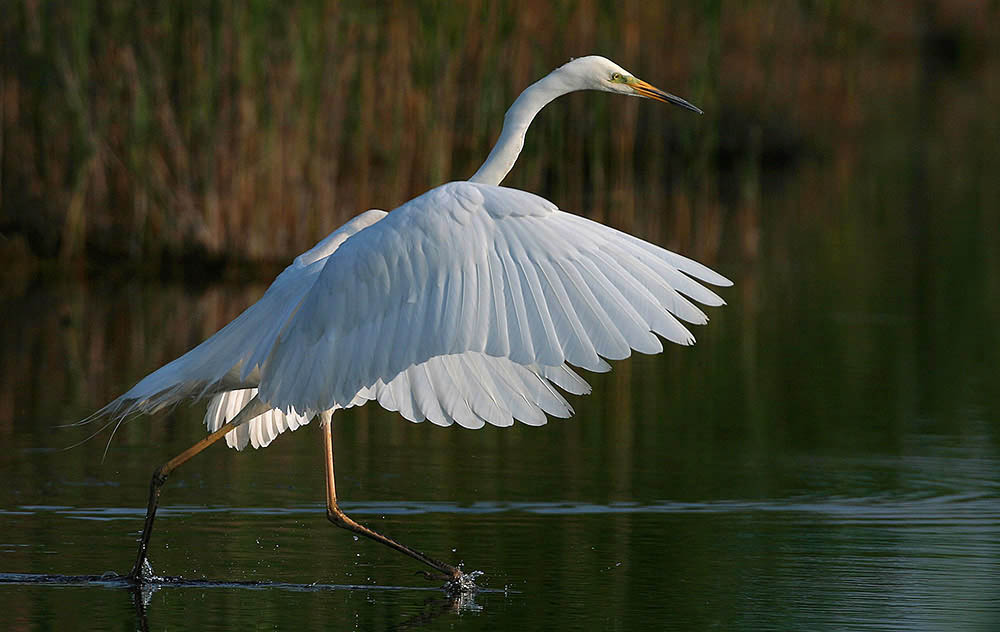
[616, 76]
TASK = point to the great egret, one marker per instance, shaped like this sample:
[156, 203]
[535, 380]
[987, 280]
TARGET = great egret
[465, 305]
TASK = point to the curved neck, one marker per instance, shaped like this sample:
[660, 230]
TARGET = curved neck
[515, 124]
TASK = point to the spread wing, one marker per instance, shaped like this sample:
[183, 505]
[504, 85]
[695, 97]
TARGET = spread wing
[465, 305]
[470, 389]
[469, 268]
[218, 364]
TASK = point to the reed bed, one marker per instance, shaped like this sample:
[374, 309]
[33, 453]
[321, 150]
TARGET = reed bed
[232, 131]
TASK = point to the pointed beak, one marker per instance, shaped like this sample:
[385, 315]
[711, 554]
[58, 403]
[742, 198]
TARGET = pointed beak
[643, 89]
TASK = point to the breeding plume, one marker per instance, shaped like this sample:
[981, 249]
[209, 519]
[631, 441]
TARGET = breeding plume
[470, 304]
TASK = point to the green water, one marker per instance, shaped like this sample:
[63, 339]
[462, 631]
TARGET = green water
[827, 457]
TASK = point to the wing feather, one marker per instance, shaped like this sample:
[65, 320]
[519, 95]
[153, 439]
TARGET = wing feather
[258, 432]
[230, 358]
[560, 288]
[498, 343]
[465, 305]
[635, 329]
[577, 344]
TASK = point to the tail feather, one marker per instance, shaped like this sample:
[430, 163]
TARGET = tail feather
[258, 432]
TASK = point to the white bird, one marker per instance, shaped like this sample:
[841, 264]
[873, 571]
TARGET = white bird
[468, 304]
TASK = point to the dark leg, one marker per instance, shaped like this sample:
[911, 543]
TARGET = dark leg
[140, 571]
[342, 520]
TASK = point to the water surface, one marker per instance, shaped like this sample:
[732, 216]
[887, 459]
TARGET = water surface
[827, 457]
[806, 465]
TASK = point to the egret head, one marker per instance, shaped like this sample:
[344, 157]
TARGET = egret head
[599, 73]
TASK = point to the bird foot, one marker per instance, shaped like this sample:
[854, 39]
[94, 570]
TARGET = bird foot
[463, 584]
[457, 583]
[142, 574]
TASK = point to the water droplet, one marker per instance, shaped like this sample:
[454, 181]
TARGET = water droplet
[356, 538]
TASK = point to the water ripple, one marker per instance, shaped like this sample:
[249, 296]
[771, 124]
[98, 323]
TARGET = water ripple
[971, 509]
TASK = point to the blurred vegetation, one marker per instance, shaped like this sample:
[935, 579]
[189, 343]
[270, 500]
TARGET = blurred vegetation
[846, 162]
[244, 131]
[844, 175]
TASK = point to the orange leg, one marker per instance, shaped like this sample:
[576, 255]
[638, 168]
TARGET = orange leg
[342, 520]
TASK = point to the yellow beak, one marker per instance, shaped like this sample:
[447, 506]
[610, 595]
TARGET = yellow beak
[643, 89]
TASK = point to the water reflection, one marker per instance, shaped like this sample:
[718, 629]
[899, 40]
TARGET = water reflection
[801, 486]
[827, 457]
[439, 602]
[969, 508]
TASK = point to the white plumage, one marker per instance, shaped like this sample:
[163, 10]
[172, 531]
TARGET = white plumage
[466, 305]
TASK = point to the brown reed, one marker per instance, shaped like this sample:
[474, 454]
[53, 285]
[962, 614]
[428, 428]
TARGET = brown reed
[245, 131]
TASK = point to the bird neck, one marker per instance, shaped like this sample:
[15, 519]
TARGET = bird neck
[515, 125]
